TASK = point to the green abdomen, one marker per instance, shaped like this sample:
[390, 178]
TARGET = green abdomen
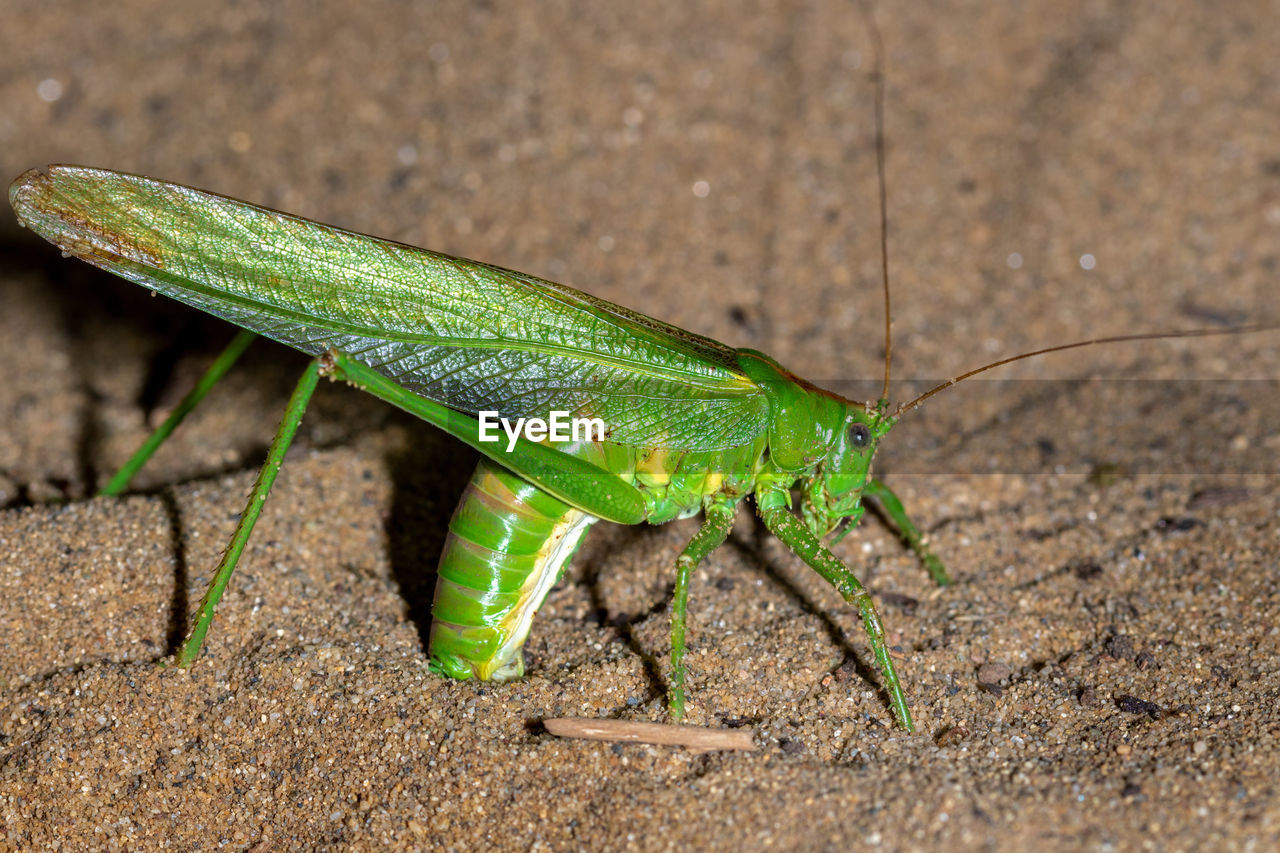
[508, 542]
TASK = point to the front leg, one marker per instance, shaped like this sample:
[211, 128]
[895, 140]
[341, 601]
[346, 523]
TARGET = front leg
[893, 508]
[775, 509]
[715, 529]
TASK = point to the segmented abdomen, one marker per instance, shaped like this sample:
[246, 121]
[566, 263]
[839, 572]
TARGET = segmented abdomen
[508, 542]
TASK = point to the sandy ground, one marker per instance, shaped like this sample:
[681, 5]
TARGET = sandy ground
[1103, 675]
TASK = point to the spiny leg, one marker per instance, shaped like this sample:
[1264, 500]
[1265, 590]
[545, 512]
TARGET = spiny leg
[244, 528]
[216, 371]
[893, 508]
[774, 509]
[715, 529]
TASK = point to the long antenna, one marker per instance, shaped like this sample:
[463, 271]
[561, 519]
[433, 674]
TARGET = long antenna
[1154, 336]
[877, 76]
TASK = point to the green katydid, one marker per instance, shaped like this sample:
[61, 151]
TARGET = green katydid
[691, 424]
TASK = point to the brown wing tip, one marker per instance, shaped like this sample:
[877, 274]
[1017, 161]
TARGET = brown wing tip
[73, 208]
[23, 192]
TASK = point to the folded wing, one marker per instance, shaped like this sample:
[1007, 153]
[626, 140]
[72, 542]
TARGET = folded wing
[471, 336]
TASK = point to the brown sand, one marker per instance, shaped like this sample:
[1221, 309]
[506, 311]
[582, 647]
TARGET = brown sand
[1103, 675]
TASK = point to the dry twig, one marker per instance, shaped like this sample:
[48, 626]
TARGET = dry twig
[693, 738]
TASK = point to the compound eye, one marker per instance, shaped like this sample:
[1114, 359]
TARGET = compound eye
[859, 435]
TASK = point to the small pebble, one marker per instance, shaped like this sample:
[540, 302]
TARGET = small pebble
[990, 675]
